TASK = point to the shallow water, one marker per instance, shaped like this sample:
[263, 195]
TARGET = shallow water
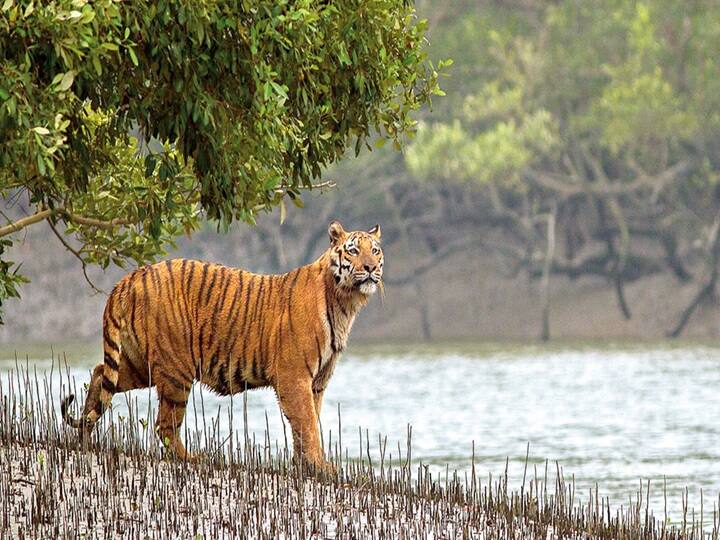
[611, 415]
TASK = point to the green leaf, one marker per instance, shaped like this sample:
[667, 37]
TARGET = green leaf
[150, 166]
[132, 56]
[41, 165]
[97, 65]
[279, 89]
[66, 81]
[41, 130]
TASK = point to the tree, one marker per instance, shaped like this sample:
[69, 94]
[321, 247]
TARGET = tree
[234, 106]
[593, 141]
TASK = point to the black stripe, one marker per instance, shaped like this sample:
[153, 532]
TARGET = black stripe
[165, 357]
[155, 278]
[132, 312]
[108, 385]
[191, 274]
[253, 373]
[138, 374]
[329, 316]
[217, 309]
[250, 320]
[186, 290]
[175, 382]
[108, 341]
[176, 404]
[183, 265]
[260, 294]
[221, 384]
[211, 286]
[265, 330]
[206, 266]
[110, 362]
[234, 314]
[146, 300]
[244, 310]
[110, 305]
[171, 279]
[178, 323]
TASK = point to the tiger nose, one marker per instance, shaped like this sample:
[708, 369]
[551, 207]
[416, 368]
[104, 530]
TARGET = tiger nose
[369, 268]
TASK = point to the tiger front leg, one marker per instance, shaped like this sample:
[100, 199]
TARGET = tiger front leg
[298, 406]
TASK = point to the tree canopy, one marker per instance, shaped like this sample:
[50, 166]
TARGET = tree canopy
[121, 122]
[595, 122]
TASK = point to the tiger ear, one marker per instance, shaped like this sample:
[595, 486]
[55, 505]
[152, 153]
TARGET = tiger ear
[376, 232]
[336, 232]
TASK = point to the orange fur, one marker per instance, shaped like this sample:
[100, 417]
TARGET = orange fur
[175, 322]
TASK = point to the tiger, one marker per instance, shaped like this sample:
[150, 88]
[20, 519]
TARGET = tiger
[179, 321]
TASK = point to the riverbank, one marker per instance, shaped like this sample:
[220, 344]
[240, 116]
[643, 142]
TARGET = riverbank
[55, 491]
[119, 486]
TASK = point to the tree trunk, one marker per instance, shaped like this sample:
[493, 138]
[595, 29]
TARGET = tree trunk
[549, 255]
[708, 290]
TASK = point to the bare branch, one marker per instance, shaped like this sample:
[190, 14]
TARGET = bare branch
[20, 224]
[41, 215]
[77, 256]
[708, 289]
[568, 185]
[431, 261]
[93, 222]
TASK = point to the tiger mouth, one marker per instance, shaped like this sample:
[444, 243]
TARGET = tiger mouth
[368, 279]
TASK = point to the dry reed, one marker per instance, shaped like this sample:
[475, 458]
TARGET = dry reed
[117, 485]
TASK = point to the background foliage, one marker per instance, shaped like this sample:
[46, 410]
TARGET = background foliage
[577, 146]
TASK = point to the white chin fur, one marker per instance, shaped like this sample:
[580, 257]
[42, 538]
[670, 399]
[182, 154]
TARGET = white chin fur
[368, 288]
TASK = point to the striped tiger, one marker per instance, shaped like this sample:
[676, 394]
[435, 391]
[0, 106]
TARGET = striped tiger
[175, 322]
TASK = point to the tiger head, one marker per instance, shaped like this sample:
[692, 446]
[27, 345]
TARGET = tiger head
[356, 258]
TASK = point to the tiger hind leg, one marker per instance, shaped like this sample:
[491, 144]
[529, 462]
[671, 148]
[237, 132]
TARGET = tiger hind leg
[103, 385]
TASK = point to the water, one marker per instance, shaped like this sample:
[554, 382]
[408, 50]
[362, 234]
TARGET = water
[611, 415]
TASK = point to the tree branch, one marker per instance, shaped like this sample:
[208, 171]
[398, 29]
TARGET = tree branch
[93, 222]
[20, 224]
[708, 289]
[41, 215]
[572, 185]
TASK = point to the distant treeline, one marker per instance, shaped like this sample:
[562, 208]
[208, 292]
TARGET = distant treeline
[565, 185]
